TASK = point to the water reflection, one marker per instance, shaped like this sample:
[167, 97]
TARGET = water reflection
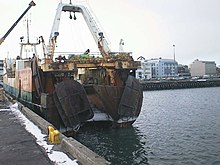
[119, 146]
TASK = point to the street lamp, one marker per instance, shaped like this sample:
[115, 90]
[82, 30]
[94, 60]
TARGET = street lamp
[174, 52]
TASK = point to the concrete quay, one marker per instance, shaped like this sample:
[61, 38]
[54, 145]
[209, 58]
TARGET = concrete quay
[18, 145]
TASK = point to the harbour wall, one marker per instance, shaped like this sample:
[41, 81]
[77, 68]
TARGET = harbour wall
[164, 85]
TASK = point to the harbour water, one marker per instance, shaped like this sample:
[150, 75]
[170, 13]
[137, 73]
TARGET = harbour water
[174, 127]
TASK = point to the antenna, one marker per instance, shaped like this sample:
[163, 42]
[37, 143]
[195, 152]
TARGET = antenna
[28, 33]
[174, 58]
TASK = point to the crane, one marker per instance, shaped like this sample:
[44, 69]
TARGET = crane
[97, 34]
[16, 22]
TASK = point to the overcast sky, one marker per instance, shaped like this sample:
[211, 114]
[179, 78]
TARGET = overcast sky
[149, 28]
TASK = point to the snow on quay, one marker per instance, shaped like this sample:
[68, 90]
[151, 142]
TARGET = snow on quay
[59, 158]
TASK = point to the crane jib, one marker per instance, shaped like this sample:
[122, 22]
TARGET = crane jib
[16, 22]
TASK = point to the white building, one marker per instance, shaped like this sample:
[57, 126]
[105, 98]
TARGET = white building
[158, 68]
[144, 72]
[201, 68]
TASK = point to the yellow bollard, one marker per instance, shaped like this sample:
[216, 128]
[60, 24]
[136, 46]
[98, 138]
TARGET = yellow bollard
[50, 130]
[54, 135]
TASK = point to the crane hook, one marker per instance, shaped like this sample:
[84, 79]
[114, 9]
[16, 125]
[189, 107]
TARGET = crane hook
[74, 17]
[71, 17]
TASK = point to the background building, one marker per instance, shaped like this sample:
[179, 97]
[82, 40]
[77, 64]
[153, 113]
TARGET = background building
[144, 73]
[163, 68]
[201, 68]
[183, 71]
[157, 68]
[218, 71]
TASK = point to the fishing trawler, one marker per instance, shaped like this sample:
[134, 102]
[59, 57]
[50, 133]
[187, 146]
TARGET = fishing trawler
[73, 90]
